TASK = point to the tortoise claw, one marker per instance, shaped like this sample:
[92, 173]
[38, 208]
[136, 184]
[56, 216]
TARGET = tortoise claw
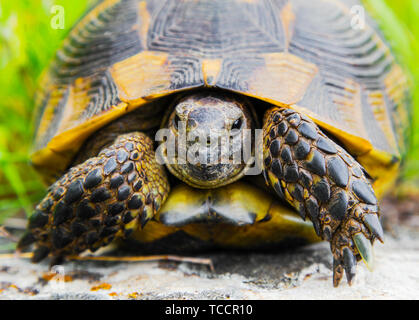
[349, 262]
[374, 225]
[365, 249]
[337, 272]
[27, 239]
[349, 246]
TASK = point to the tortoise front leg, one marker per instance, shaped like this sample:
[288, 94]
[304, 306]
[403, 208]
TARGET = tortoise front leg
[105, 197]
[324, 183]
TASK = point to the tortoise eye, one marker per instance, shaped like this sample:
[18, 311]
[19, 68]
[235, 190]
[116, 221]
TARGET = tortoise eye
[176, 121]
[237, 124]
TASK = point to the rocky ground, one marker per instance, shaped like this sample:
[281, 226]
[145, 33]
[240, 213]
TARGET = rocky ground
[303, 273]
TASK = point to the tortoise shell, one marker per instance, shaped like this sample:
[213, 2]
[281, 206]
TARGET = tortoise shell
[305, 55]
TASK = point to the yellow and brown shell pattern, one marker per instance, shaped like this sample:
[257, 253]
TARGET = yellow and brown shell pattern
[306, 55]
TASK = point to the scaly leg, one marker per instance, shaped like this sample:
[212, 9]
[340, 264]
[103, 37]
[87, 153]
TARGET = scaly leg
[105, 197]
[324, 183]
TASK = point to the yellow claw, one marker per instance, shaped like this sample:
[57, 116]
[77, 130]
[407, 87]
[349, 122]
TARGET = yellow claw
[365, 250]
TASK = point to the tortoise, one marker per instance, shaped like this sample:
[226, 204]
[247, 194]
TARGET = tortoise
[218, 122]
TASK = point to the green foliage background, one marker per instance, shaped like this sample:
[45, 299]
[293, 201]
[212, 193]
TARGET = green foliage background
[28, 42]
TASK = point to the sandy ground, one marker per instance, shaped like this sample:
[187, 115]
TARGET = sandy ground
[304, 273]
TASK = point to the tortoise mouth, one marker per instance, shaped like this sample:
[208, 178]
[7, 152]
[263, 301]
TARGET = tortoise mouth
[208, 172]
[209, 176]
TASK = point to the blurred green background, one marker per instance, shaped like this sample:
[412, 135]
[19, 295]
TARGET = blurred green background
[28, 42]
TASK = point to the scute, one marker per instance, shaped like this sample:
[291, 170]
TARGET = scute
[302, 54]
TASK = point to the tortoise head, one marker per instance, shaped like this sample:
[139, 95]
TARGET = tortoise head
[212, 143]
